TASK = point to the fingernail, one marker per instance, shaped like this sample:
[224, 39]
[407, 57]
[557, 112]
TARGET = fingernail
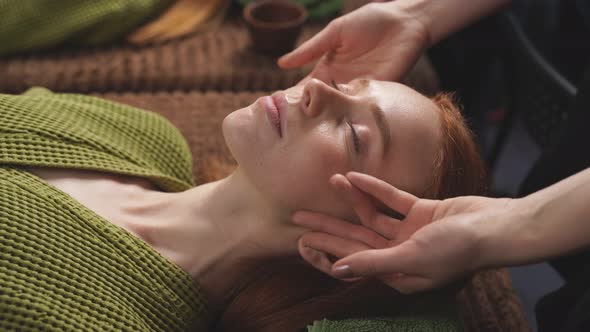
[342, 271]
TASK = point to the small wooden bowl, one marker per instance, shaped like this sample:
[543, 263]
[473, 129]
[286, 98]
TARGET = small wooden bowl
[274, 25]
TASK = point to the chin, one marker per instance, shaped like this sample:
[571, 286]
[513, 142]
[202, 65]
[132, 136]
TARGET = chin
[237, 132]
[241, 133]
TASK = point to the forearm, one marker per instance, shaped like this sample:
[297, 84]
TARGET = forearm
[443, 17]
[552, 222]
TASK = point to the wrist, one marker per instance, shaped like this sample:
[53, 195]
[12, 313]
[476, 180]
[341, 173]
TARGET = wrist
[505, 236]
[420, 12]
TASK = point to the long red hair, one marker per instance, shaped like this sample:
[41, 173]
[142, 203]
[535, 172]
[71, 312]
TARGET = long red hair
[287, 294]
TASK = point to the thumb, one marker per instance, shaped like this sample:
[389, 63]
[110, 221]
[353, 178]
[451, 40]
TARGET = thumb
[407, 284]
[314, 48]
[376, 262]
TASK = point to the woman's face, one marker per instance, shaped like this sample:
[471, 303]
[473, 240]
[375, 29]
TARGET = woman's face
[290, 144]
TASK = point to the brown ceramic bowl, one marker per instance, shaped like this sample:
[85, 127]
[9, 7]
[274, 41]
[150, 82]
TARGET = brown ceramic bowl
[274, 25]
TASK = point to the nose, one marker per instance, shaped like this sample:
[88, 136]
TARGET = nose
[318, 96]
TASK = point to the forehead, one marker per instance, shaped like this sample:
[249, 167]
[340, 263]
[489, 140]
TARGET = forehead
[415, 127]
[395, 95]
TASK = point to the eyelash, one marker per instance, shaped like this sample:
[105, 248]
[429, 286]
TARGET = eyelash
[355, 137]
[333, 83]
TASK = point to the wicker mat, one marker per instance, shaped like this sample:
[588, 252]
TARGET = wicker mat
[220, 60]
[216, 60]
[488, 303]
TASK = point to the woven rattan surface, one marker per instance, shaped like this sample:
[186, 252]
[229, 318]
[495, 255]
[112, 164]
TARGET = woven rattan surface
[220, 60]
[215, 60]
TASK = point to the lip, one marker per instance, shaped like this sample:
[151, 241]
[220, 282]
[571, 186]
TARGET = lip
[273, 113]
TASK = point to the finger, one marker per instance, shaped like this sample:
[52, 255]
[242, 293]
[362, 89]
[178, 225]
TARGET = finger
[320, 261]
[320, 222]
[312, 49]
[319, 72]
[394, 198]
[406, 284]
[332, 245]
[315, 258]
[379, 262]
[323, 72]
[370, 217]
[360, 203]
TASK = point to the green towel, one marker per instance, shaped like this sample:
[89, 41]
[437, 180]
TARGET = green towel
[407, 323]
[41, 128]
[435, 311]
[62, 266]
[35, 24]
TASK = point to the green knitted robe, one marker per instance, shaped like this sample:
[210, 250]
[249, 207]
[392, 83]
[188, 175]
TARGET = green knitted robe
[63, 267]
[35, 24]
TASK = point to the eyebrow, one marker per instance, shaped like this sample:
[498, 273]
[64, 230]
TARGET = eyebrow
[379, 116]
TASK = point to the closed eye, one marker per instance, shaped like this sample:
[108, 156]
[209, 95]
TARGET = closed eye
[355, 137]
[334, 85]
[339, 88]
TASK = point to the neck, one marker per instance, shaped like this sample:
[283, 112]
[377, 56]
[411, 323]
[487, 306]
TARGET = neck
[212, 231]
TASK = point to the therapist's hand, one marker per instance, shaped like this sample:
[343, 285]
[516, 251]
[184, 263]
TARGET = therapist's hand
[436, 242]
[379, 41]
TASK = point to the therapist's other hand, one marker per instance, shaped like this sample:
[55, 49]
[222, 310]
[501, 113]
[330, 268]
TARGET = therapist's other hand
[436, 242]
[379, 41]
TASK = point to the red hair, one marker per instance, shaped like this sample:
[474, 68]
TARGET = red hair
[287, 294]
[458, 167]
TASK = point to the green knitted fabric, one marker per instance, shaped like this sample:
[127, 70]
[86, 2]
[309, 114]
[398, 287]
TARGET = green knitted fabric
[35, 24]
[41, 128]
[429, 323]
[63, 267]
[434, 312]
